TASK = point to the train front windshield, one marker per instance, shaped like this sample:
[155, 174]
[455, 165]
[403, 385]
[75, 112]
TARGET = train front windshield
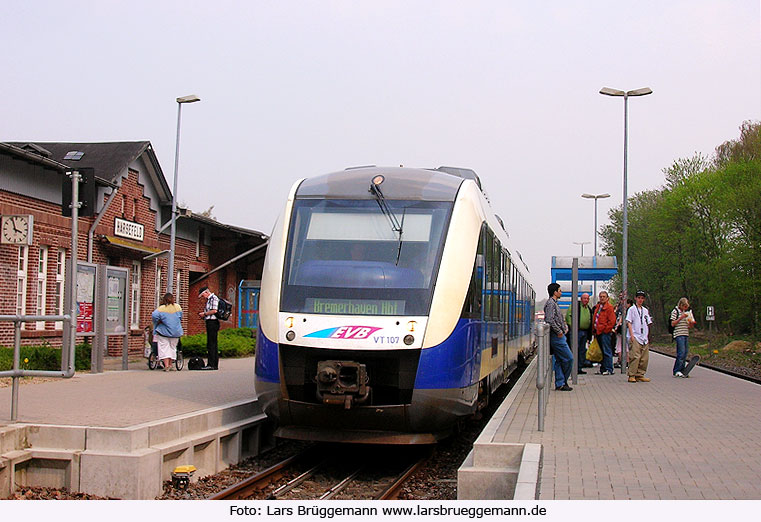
[357, 257]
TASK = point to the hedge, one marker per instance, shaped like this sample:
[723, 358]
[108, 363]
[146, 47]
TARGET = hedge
[232, 342]
[44, 358]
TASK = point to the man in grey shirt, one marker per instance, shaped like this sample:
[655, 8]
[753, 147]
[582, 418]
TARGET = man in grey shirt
[561, 353]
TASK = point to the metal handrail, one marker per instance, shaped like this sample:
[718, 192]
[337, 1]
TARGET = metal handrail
[17, 372]
[543, 370]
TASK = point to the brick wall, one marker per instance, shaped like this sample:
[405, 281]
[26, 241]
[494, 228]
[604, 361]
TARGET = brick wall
[54, 231]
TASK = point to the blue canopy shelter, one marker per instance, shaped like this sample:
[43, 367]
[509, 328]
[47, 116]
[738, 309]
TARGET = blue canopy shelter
[591, 268]
[575, 269]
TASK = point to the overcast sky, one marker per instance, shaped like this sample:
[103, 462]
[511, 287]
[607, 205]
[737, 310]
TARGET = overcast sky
[297, 89]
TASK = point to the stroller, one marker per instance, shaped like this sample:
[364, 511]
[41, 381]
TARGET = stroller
[152, 352]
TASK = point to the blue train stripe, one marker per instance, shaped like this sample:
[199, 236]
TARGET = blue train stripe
[455, 363]
[266, 364]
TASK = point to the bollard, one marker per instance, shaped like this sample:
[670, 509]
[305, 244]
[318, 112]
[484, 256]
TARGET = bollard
[543, 370]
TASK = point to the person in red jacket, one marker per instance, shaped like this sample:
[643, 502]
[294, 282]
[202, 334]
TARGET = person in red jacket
[603, 324]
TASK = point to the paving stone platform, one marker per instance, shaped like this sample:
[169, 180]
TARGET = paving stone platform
[696, 438]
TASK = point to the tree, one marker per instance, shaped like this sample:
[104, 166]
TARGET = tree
[699, 236]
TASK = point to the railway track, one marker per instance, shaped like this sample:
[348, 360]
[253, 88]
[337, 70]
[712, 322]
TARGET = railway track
[322, 472]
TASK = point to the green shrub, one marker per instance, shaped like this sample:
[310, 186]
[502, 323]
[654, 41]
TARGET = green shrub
[44, 358]
[232, 342]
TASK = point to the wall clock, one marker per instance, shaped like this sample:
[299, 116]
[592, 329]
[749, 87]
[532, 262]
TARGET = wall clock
[16, 230]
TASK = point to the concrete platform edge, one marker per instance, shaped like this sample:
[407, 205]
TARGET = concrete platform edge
[501, 470]
[130, 462]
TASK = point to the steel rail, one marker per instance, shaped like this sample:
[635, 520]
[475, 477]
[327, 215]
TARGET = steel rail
[340, 486]
[260, 480]
[392, 492]
[285, 488]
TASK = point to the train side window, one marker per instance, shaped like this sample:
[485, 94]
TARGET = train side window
[472, 306]
[496, 280]
[489, 273]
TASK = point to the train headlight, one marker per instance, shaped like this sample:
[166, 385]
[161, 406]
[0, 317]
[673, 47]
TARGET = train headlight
[411, 326]
[377, 180]
[408, 340]
[289, 322]
[290, 335]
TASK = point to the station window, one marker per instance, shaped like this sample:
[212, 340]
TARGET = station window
[60, 278]
[158, 286]
[178, 288]
[135, 296]
[23, 254]
[42, 284]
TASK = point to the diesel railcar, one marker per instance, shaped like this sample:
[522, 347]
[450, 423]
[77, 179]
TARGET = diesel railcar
[392, 306]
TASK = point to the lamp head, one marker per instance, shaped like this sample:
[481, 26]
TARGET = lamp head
[640, 92]
[190, 98]
[612, 92]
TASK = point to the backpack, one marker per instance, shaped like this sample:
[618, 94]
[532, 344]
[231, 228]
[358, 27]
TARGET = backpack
[195, 363]
[224, 309]
[668, 320]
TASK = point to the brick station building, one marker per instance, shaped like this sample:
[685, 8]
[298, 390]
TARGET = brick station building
[129, 229]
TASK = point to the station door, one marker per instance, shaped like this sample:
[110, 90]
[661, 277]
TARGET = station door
[248, 303]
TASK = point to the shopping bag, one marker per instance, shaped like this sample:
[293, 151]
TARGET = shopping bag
[594, 353]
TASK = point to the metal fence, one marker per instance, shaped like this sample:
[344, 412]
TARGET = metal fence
[17, 372]
[543, 370]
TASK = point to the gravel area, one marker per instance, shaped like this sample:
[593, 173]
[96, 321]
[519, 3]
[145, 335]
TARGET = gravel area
[6, 382]
[717, 361]
[212, 484]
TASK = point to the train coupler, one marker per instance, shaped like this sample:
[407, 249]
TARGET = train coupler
[342, 383]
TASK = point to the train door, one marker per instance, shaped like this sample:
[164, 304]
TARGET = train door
[488, 246]
[495, 326]
[506, 316]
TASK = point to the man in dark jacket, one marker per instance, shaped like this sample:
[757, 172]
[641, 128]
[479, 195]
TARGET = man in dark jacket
[584, 329]
[561, 354]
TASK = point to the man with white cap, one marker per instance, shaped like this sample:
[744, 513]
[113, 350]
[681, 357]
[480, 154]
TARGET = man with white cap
[638, 323]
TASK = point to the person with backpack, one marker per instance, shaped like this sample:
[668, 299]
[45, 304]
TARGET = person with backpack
[680, 322]
[209, 315]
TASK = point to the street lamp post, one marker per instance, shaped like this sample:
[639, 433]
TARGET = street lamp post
[625, 94]
[170, 273]
[595, 197]
[644, 91]
[582, 243]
